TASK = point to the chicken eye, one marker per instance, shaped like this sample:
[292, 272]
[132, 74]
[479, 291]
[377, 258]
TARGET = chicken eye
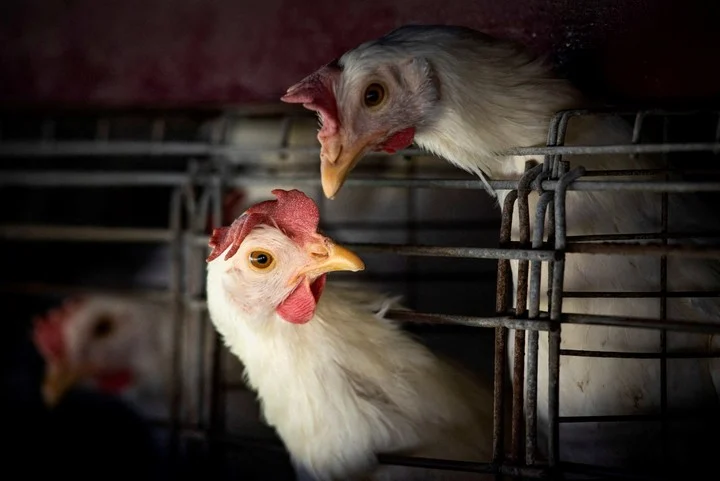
[103, 327]
[374, 95]
[261, 259]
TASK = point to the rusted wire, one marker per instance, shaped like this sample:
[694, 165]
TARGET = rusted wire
[501, 333]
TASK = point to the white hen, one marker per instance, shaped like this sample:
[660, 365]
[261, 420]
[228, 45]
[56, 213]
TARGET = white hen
[339, 382]
[468, 97]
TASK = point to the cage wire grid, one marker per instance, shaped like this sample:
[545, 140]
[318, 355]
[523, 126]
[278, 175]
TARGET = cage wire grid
[551, 180]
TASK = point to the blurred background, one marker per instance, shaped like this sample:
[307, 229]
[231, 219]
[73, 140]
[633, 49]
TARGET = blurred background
[111, 117]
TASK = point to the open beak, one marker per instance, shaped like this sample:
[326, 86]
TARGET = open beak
[328, 258]
[338, 157]
[59, 378]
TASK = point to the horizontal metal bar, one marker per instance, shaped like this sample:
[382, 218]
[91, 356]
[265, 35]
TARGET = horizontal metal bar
[127, 234]
[416, 225]
[168, 179]
[465, 466]
[509, 321]
[699, 414]
[644, 236]
[390, 459]
[458, 252]
[607, 472]
[68, 290]
[176, 148]
[89, 148]
[639, 355]
[63, 178]
[440, 251]
[83, 233]
[637, 294]
[139, 148]
[642, 323]
[646, 249]
[496, 321]
[616, 149]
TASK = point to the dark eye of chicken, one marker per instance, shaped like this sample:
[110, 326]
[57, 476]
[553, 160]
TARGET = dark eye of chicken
[261, 259]
[374, 95]
[103, 327]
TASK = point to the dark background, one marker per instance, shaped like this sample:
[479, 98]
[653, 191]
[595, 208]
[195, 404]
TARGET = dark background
[190, 53]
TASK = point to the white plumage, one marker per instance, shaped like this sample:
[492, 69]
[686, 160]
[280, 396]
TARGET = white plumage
[467, 98]
[348, 384]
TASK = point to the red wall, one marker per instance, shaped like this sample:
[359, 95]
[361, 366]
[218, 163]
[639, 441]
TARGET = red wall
[186, 53]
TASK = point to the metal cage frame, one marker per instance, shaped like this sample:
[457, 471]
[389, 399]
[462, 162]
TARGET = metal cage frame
[552, 179]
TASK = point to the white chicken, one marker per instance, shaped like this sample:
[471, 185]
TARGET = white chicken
[111, 344]
[123, 346]
[338, 381]
[468, 98]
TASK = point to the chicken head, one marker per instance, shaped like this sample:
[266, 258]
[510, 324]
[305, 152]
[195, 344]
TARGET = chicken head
[371, 107]
[97, 342]
[452, 90]
[275, 259]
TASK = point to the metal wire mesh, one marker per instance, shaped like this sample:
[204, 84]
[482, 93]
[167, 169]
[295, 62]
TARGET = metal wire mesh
[196, 173]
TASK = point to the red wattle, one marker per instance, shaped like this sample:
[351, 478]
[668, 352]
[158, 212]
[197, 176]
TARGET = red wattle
[114, 381]
[398, 141]
[299, 306]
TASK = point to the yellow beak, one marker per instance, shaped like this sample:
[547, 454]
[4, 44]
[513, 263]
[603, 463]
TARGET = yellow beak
[328, 258]
[59, 378]
[337, 158]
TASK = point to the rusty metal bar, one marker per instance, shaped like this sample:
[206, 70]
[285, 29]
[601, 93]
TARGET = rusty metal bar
[533, 313]
[501, 333]
[524, 189]
[566, 178]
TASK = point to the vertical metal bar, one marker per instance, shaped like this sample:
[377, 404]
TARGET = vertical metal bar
[637, 130]
[533, 336]
[177, 314]
[531, 172]
[556, 294]
[501, 306]
[195, 276]
[411, 226]
[663, 302]
[216, 428]
[217, 393]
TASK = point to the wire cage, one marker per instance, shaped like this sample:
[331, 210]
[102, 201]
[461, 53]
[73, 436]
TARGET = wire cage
[176, 169]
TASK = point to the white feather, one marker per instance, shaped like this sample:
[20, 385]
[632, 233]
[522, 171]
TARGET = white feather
[348, 385]
[493, 97]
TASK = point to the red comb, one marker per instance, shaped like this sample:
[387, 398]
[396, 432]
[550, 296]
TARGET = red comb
[316, 93]
[48, 334]
[293, 212]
